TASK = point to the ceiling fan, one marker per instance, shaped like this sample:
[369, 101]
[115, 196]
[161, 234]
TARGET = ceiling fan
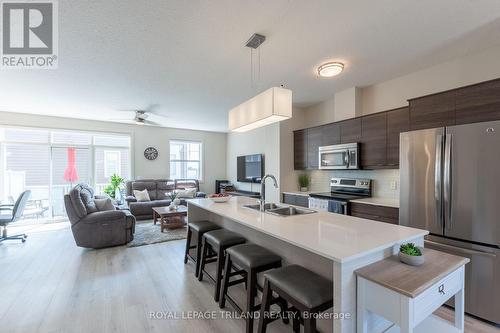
[141, 117]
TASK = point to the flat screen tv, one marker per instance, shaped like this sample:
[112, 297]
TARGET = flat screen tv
[250, 168]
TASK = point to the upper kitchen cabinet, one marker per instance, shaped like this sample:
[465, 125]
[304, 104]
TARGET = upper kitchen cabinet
[373, 141]
[314, 141]
[331, 134]
[398, 121]
[432, 111]
[300, 149]
[350, 130]
[477, 103]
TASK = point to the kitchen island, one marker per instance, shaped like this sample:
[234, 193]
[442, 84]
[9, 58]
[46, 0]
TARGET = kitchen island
[331, 245]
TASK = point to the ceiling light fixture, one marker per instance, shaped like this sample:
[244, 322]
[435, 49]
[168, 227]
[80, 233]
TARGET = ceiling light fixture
[270, 106]
[330, 69]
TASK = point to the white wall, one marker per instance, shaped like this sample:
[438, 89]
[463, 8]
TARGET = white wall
[264, 140]
[473, 68]
[214, 144]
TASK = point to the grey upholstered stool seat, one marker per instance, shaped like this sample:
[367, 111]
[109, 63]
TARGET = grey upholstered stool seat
[199, 227]
[215, 244]
[223, 237]
[251, 255]
[307, 292]
[252, 259]
[203, 226]
[290, 279]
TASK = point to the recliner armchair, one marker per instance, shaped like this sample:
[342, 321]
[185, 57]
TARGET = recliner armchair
[96, 229]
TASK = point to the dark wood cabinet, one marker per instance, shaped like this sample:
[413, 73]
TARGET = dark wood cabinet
[478, 103]
[331, 134]
[376, 213]
[314, 141]
[350, 130]
[300, 149]
[373, 141]
[398, 121]
[296, 199]
[432, 111]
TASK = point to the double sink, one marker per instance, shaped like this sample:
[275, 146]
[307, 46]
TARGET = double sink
[281, 210]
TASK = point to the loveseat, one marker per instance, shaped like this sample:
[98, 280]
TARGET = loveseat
[158, 190]
[94, 228]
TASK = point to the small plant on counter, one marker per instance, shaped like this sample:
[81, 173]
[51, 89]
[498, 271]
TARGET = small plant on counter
[115, 182]
[304, 182]
[411, 254]
[410, 249]
[172, 195]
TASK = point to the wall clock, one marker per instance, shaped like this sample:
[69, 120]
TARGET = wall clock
[151, 153]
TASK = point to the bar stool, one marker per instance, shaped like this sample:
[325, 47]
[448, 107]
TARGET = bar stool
[251, 259]
[217, 241]
[200, 227]
[307, 299]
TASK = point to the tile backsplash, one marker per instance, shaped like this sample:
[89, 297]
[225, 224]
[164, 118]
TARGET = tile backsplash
[382, 180]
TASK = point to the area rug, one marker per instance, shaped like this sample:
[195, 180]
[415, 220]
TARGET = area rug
[148, 233]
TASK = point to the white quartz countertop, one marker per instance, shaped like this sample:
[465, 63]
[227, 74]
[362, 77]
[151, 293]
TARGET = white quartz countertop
[338, 237]
[388, 202]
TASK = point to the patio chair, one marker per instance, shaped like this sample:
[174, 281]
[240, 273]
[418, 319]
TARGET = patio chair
[14, 213]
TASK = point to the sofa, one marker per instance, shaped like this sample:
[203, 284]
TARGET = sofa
[157, 190]
[94, 228]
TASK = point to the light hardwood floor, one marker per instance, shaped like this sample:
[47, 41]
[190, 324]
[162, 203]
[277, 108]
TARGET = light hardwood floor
[50, 285]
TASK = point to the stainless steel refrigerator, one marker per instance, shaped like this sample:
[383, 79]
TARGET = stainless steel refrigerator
[450, 185]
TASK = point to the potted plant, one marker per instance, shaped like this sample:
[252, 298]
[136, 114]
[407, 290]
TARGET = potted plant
[303, 182]
[174, 201]
[114, 185]
[411, 254]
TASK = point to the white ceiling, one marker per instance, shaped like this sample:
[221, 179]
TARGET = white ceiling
[188, 57]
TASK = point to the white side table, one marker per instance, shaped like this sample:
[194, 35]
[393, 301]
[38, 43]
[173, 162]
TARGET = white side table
[408, 295]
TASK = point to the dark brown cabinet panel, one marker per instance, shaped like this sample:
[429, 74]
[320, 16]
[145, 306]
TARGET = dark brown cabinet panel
[432, 111]
[331, 134]
[314, 141]
[373, 141]
[398, 121]
[350, 130]
[300, 149]
[373, 212]
[478, 103]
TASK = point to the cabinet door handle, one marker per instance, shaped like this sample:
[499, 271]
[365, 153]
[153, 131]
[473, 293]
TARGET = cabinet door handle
[441, 289]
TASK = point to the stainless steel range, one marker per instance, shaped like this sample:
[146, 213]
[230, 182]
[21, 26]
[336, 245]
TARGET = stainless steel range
[342, 190]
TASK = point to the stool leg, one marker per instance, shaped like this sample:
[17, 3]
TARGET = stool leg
[251, 292]
[188, 244]
[198, 255]
[225, 284]
[264, 309]
[203, 259]
[296, 321]
[284, 310]
[309, 324]
[218, 275]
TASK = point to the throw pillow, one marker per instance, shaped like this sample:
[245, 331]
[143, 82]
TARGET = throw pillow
[188, 193]
[142, 195]
[104, 204]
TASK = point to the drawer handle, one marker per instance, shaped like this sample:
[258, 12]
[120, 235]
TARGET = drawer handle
[441, 289]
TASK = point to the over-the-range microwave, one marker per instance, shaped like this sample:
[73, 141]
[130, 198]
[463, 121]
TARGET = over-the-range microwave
[339, 157]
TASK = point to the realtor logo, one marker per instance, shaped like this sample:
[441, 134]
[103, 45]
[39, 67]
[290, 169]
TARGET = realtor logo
[29, 34]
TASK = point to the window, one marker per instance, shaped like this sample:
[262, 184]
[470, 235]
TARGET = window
[112, 163]
[185, 160]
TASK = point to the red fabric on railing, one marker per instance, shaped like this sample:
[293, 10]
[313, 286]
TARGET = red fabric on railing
[70, 174]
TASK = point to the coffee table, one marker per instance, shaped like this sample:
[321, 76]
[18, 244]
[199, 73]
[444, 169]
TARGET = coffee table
[170, 219]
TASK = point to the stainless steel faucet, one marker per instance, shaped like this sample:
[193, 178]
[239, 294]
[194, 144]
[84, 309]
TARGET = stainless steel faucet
[263, 190]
